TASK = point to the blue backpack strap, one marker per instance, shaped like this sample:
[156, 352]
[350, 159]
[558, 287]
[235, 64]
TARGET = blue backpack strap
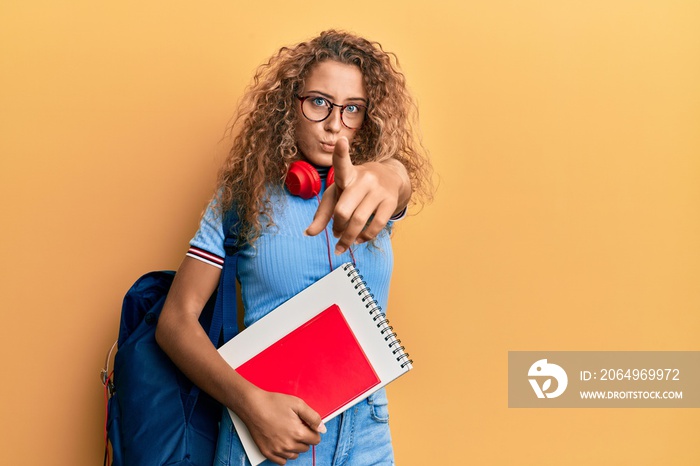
[226, 308]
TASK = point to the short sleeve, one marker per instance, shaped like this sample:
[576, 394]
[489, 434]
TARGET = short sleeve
[400, 215]
[207, 244]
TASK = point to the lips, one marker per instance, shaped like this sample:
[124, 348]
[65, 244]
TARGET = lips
[328, 146]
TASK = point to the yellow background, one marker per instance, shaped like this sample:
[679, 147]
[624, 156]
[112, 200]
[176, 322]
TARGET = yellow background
[566, 141]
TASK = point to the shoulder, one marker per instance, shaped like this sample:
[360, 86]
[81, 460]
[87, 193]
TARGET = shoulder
[208, 242]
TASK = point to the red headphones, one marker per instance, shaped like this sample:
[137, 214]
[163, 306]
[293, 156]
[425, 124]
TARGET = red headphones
[304, 181]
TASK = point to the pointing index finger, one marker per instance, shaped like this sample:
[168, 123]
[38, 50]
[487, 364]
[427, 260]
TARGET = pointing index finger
[344, 170]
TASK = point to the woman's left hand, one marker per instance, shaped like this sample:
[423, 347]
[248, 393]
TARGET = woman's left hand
[374, 190]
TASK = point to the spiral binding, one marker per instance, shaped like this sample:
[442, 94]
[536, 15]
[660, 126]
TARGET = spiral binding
[375, 311]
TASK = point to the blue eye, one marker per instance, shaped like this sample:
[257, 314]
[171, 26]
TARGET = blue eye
[319, 102]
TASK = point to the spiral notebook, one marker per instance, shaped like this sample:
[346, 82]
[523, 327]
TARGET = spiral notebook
[330, 345]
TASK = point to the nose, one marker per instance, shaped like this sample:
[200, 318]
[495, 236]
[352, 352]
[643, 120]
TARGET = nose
[333, 123]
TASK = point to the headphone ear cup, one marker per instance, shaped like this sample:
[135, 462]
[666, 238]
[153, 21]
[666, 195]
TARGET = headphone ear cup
[330, 177]
[302, 180]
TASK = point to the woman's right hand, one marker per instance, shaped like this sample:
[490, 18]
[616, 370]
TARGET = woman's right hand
[282, 426]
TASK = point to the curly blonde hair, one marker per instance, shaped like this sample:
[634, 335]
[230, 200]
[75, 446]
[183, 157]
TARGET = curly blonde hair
[264, 145]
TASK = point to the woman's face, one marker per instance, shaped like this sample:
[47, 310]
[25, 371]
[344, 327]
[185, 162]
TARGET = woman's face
[340, 84]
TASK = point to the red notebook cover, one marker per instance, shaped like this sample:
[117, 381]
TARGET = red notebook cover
[321, 362]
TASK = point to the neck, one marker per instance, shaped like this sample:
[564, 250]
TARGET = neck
[322, 171]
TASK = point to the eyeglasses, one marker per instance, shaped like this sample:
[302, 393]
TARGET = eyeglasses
[316, 108]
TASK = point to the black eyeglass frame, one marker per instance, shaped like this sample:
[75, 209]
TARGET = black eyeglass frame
[302, 99]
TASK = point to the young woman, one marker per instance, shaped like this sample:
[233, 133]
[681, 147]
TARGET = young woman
[335, 101]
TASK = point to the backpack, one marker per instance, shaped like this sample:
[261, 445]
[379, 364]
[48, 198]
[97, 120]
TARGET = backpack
[155, 415]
